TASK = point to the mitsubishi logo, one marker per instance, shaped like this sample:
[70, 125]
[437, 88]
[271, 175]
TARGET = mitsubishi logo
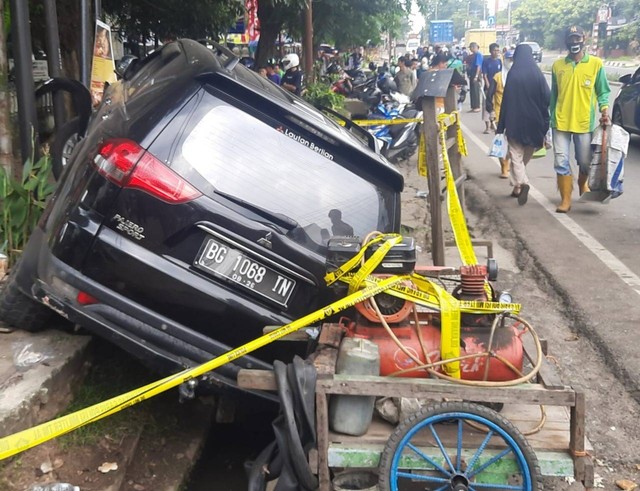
[266, 241]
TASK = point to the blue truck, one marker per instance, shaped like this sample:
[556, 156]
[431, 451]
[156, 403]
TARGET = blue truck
[441, 32]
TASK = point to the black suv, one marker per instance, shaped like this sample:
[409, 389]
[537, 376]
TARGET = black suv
[197, 210]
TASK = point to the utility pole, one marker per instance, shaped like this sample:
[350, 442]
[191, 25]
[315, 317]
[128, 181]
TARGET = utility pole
[22, 52]
[308, 42]
[85, 43]
[54, 60]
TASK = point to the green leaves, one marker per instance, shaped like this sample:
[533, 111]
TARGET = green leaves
[546, 20]
[21, 204]
[320, 94]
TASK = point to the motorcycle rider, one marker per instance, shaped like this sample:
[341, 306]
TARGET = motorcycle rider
[292, 79]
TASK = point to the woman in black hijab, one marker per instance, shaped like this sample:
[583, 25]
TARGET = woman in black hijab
[524, 116]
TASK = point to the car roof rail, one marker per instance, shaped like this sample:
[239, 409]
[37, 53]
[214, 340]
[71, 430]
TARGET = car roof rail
[223, 50]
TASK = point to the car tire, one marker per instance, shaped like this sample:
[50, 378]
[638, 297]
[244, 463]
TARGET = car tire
[19, 311]
[66, 138]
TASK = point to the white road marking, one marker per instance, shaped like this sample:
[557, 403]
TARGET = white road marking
[600, 251]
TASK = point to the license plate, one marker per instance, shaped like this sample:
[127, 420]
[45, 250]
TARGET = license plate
[230, 263]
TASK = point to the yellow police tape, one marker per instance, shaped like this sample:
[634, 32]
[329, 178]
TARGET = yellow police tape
[376, 122]
[456, 214]
[425, 293]
[31, 437]
[422, 156]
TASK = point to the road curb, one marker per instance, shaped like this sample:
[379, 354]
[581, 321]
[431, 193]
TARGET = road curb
[39, 375]
[480, 203]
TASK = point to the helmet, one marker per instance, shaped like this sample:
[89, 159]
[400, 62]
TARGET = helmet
[290, 61]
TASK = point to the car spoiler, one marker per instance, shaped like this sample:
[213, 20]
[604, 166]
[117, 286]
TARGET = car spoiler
[80, 97]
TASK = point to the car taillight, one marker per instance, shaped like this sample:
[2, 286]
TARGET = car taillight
[126, 164]
[85, 299]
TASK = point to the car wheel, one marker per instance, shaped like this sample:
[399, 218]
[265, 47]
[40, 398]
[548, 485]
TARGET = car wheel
[19, 311]
[66, 139]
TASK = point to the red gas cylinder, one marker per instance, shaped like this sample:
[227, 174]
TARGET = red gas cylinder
[506, 344]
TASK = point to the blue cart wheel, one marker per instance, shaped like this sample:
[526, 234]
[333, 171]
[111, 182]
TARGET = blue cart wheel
[435, 450]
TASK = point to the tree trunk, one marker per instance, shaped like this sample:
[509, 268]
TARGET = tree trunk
[269, 30]
[6, 154]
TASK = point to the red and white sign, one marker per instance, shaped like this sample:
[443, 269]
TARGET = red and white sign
[253, 23]
[604, 13]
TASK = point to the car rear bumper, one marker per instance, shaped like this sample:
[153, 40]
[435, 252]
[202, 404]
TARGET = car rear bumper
[158, 341]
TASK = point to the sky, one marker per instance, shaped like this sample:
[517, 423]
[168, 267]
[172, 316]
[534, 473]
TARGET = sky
[417, 21]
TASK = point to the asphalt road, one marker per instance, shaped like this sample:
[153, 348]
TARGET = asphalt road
[590, 255]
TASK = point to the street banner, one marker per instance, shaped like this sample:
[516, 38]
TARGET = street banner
[103, 67]
[253, 24]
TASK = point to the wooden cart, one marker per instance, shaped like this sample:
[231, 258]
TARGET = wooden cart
[560, 446]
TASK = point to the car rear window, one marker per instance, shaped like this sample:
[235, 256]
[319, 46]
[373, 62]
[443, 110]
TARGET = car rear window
[282, 171]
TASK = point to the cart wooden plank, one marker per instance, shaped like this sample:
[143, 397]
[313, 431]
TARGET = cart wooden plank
[428, 388]
[552, 463]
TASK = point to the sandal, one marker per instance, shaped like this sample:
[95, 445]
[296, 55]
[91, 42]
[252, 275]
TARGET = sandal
[515, 193]
[524, 194]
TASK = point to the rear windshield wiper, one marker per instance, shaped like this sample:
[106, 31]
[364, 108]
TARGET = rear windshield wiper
[275, 218]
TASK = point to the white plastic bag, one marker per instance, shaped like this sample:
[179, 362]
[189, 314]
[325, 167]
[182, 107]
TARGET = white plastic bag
[548, 140]
[499, 147]
[616, 146]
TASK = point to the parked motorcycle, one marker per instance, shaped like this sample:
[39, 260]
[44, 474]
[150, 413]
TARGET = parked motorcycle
[400, 141]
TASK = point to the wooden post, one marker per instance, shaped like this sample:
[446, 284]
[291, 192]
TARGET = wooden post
[577, 430]
[430, 129]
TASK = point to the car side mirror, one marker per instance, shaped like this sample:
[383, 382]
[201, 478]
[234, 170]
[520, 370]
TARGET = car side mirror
[625, 79]
[126, 67]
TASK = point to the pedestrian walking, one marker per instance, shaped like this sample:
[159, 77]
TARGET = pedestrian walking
[474, 69]
[491, 65]
[494, 102]
[524, 116]
[579, 88]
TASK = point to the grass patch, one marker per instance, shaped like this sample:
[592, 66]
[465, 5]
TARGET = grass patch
[113, 372]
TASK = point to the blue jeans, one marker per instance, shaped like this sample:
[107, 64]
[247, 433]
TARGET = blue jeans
[561, 148]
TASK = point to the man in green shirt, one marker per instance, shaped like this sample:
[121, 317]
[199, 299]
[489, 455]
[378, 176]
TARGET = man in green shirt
[579, 88]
